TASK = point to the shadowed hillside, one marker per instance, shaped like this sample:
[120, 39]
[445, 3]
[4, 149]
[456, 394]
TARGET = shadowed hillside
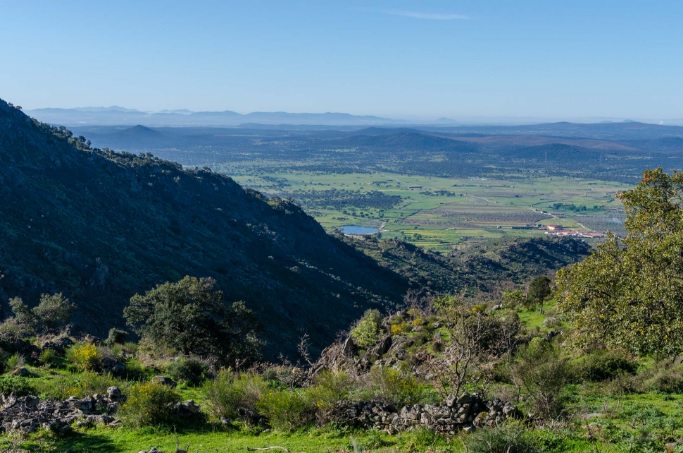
[481, 267]
[100, 226]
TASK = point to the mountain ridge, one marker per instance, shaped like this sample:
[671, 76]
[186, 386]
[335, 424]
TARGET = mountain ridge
[100, 226]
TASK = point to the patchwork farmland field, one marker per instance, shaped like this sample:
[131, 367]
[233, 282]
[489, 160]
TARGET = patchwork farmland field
[440, 213]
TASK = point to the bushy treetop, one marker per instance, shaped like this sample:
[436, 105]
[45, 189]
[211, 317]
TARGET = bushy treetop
[629, 292]
[191, 317]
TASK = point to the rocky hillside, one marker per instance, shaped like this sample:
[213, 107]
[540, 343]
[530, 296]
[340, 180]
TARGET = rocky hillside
[482, 267]
[101, 226]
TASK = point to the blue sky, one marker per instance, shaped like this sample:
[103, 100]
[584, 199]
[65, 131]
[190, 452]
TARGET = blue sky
[409, 59]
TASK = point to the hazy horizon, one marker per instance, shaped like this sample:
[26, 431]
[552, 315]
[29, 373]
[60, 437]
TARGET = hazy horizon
[398, 121]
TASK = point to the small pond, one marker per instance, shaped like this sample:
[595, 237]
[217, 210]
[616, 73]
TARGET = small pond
[355, 229]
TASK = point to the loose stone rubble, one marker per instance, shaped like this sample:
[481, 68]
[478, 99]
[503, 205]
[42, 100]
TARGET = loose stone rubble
[456, 414]
[28, 413]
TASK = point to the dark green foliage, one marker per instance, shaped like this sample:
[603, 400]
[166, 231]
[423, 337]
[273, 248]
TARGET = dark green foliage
[539, 290]
[52, 312]
[190, 370]
[495, 335]
[483, 267]
[50, 358]
[603, 365]
[23, 315]
[191, 317]
[340, 199]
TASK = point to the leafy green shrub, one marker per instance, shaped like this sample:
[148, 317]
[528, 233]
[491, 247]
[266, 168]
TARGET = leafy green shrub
[24, 318]
[490, 334]
[14, 361]
[509, 437]
[83, 356]
[149, 404]
[189, 370]
[328, 388]
[287, 410]
[230, 393]
[18, 385]
[136, 371]
[366, 331]
[49, 358]
[543, 373]
[664, 377]
[163, 314]
[604, 365]
[393, 386]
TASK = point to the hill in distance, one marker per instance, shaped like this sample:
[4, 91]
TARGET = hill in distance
[101, 226]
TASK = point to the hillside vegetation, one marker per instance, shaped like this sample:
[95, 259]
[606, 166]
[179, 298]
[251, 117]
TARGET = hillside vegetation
[479, 269]
[100, 226]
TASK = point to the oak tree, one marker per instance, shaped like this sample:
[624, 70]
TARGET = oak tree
[629, 292]
[191, 317]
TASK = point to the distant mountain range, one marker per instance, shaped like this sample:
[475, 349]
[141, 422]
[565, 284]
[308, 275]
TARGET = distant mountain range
[120, 116]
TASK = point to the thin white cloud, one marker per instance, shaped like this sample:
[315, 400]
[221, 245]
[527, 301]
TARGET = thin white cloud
[429, 16]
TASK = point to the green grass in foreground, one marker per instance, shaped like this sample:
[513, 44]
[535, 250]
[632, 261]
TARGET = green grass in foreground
[326, 440]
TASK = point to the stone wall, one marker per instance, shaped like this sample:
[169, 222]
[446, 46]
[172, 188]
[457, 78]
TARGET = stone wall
[464, 413]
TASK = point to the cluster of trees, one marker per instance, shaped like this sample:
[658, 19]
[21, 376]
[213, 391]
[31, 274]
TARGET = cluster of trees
[52, 313]
[340, 199]
[538, 291]
[188, 317]
[573, 207]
